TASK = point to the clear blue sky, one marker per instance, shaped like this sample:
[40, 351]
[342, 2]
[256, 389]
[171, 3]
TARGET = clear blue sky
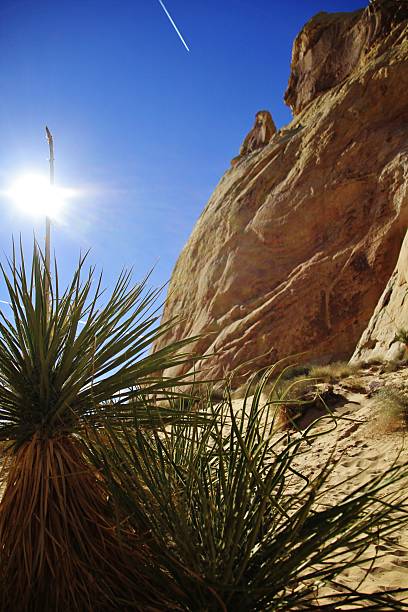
[142, 127]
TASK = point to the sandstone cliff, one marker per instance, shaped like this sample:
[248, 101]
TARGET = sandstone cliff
[391, 314]
[296, 244]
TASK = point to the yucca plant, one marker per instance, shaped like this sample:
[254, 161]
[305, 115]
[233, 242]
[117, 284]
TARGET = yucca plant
[67, 365]
[235, 519]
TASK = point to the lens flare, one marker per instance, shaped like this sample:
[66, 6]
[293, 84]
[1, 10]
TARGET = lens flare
[34, 195]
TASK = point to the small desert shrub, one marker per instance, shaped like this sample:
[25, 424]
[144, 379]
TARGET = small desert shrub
[393, 407]
[293, 394]
[289, 373]
[295, 381]
[285, 392]
[333, 372]
[297, 371]
[391, 366]
[377, 360]
[296, 387]
[303, 400]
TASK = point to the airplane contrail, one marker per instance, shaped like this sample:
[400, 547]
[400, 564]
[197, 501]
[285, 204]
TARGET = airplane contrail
[174, 25]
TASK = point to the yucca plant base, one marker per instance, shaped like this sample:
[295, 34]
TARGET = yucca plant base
[59, 544]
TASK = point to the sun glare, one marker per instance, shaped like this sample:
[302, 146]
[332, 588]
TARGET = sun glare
[34, 195]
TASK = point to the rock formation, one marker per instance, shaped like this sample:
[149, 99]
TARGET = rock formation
[391, 314]
[262, 132]
[297, 242]
[332, 45]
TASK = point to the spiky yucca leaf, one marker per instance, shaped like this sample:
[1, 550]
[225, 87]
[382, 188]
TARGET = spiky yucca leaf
[80, 358]
[67, 364]
[237, 524]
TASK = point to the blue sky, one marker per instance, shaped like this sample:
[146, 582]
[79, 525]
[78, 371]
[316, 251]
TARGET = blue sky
[143, 129]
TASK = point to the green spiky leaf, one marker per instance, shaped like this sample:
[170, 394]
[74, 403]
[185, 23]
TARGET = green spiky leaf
[78, 355]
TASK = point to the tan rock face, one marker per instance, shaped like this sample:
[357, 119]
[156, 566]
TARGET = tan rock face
[331, 46]
[296, 244]
[390, 315]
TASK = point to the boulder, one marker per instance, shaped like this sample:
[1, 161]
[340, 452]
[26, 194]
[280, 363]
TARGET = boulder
[294, 248]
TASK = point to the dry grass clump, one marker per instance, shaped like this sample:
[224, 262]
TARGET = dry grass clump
[295, 393]
[333, 372]
[392, 366]
[374, 360]
[392, 404]
[304, 400]
[287, 375]
[299, 379]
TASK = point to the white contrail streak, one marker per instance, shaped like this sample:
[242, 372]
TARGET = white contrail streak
[174, 25]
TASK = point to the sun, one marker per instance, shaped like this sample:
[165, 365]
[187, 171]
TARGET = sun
[34, 195]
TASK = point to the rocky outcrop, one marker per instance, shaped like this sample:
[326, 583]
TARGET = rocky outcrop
[332, 45]
[259, 136]
[296, 244]
[380, 339]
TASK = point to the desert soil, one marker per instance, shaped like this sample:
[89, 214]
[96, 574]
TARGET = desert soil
[366, 442]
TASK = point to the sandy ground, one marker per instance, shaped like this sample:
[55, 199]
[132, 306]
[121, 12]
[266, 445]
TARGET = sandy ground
[366, 443]
[366, 450]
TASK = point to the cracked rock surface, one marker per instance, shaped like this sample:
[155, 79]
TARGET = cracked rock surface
[297, 242]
